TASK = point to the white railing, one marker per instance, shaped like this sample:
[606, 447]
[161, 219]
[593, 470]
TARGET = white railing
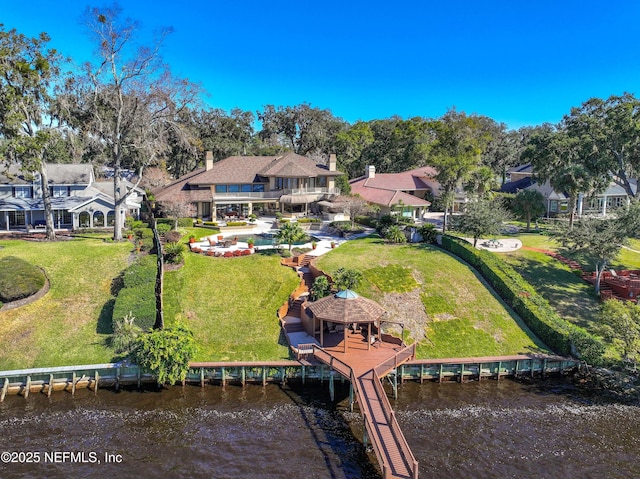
[276, 193]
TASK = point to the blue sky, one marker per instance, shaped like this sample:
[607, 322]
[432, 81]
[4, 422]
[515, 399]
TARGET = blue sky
[521, 63]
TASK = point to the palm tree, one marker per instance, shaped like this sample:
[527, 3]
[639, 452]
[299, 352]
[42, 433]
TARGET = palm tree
[528, 204]
[290, 233]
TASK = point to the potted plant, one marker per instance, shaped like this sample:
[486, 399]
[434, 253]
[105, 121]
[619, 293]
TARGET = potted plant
[192, 239]
[314, 245]
[250, 243]
[252, 218]
[333, 244]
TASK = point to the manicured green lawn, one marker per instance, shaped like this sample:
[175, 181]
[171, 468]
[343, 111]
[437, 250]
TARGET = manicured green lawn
[231, 304]
[71, 323]
[463, 318]
[573, 298]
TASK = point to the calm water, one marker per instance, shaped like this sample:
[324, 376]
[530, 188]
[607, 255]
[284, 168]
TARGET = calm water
[475, 430]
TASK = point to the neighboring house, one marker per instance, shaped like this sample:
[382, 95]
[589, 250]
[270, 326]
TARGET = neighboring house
[77, 199]
[558, 202]
[405, 192]
[239, 185]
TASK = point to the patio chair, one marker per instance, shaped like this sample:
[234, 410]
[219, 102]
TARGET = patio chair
[227, 243]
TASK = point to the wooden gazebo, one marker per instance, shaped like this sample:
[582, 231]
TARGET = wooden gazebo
[347, 308]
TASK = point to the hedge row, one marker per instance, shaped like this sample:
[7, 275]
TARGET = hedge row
[138, 295]
[535, 311]
[182, 222]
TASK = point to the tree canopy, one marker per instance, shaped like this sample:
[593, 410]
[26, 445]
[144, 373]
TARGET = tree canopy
[28, 73]
[127, 101]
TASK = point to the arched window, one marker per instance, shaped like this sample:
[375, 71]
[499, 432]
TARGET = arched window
[98, 219]
[111, 218]
[85, 220]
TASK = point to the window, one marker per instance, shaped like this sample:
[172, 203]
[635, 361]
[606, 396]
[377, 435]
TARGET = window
[61, 217]
[221, 188]
[553, 206]
[246, 188]
[17, 218]
[258, 187]
[234, 188]
[59, 191]
[22, 192]
[321, 182]
[615, 201]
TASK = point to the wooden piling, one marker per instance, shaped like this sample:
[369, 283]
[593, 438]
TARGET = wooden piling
[5, 388]
[28, 388]
[95, 386]
[73, 384]
[201, 377]
[50, 385]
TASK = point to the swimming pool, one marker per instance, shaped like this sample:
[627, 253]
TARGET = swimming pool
[268, 239]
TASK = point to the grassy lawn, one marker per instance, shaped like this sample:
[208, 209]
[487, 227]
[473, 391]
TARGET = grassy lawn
[231, 304]
[570, 296]
[573, 299]
[71, 323]
[427, 288]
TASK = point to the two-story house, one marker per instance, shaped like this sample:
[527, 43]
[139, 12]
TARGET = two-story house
[238, 186]
[557, 203]
[77, 199]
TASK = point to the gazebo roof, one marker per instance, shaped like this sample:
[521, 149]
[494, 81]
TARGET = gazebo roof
[346, 307]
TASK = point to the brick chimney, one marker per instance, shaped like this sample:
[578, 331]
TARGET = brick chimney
[370, 171]
[208, 162]
[332, 162]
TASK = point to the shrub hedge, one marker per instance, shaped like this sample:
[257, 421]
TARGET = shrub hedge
[19, 279]
[138, 294]
[535, 311]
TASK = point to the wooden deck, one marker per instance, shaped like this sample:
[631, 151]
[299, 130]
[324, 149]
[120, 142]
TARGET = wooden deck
[364, 368]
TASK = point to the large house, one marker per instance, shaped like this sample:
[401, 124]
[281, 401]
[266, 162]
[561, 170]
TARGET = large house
[77, 199]
[406, 193]
[557, 203]
[241, 185]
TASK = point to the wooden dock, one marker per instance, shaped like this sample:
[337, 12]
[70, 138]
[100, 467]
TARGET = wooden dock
[364, 369]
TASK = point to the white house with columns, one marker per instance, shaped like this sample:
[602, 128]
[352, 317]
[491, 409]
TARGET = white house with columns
[78, 200]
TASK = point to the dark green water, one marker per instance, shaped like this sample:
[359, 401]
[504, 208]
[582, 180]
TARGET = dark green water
[474, 430]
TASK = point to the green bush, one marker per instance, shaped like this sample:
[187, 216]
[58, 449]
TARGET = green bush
[237, 223]
[137, 298]
[174, 252]
[210, 223]
[141, 273]
[366, 221]
[534, 310]
[428, 232]
[143, 233]
[165, 221]
[19, 279]
[185, 222]
[137, 302]
[164, 228]
[309, 220]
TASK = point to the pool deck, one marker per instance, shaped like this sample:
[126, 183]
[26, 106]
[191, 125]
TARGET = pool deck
[323, 244]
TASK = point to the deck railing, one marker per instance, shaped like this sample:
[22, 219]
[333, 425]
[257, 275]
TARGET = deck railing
[392, 363]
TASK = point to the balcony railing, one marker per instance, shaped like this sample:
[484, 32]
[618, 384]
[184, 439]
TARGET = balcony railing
[274, 194]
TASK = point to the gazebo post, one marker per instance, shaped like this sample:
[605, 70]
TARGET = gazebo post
[321, 332]
[368, 336]
[345, 338]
